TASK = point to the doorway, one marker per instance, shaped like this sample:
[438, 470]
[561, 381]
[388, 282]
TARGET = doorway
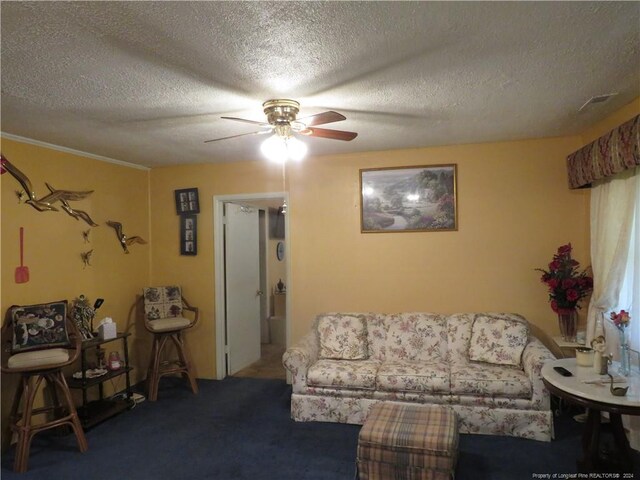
[249, 342]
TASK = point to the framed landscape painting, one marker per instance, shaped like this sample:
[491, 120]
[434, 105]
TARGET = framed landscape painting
[408, 199]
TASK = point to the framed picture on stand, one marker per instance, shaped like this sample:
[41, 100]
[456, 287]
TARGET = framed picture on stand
[188, 235]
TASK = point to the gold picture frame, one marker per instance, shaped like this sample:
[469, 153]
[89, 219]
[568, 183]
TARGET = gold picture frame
[409, 199]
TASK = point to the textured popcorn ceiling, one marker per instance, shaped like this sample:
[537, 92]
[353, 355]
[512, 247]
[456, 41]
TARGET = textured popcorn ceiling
[147, 82]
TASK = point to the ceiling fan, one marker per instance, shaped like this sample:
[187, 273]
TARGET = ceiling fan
[281, 120]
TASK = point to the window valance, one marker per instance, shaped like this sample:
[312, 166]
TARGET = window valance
[612, 153]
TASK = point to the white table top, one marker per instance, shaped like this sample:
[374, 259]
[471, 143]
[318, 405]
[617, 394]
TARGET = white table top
[598, 392]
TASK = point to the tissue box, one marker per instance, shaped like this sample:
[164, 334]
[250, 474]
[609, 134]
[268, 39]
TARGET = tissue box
[107, 331]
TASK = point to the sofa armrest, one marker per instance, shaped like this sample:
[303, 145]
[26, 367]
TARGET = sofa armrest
[299, 357]
[535, 355]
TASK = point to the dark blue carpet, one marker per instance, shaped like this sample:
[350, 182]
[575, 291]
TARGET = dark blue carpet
[240, 429]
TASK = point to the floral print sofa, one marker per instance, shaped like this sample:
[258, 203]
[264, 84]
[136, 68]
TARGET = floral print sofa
[486, 366]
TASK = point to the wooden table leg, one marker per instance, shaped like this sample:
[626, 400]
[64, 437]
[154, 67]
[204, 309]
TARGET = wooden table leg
[590, 442]
[622, 443]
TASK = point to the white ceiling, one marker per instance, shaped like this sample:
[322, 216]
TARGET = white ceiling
[147, 82]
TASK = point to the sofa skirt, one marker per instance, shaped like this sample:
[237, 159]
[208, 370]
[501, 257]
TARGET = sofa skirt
[475, 419]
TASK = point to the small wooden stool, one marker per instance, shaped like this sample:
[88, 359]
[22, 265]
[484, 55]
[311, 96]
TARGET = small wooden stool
[412, 442]
[164, 307]
[22, 423]
[180, 365]
[57, 346]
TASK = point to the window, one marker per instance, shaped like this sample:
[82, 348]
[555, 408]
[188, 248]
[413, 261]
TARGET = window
[615, 257]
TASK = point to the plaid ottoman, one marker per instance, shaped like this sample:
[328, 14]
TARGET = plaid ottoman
[408, 442]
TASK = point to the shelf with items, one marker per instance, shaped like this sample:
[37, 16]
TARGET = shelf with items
[90, 382]
[93, 412]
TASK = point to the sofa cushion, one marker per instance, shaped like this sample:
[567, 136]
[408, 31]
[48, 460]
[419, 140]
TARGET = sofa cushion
[459, 337]
[377, 336]
[416, 336]
[498, 339]
[343, 336]
[489, 380]
[358, 374]
[409, 376]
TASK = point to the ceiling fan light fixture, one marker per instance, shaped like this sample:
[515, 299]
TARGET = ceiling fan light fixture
[280, 149]
[282, 121]
[275, 149]
[297, 149]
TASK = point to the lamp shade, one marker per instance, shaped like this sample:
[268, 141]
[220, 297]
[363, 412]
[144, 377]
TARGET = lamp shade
[274, 149]
[297, 149]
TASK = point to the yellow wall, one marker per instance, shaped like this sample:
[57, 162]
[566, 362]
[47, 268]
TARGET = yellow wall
[53, 242]
[514, 211]
[196, 273]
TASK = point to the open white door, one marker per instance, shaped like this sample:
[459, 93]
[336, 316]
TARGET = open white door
[242, 279]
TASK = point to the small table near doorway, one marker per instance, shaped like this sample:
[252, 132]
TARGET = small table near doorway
[597, 398]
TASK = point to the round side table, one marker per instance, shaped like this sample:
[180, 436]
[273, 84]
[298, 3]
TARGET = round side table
[590, 390]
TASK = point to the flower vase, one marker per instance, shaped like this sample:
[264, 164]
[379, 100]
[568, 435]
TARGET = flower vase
[625, 360]
[568, 325]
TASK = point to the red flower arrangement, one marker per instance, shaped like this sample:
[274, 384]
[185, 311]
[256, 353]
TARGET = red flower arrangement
[567, 285]
[621, 319]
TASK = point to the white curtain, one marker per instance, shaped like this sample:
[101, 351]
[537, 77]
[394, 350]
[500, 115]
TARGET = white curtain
[630, 295]
[613, 209]
[615, 258]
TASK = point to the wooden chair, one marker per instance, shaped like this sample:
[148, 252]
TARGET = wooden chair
[164, 308]
[38, 341]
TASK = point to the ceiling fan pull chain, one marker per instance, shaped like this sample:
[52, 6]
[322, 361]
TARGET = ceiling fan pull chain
[283, 208]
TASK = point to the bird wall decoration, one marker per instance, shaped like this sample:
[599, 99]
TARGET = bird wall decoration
[122, 238]
[86, 258]
[77, 214]
[45, 203]
[85, 235]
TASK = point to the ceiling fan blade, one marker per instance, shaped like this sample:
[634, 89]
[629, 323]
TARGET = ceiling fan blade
[322, 118]
[261, 132]
[244, 120]
[332, 134]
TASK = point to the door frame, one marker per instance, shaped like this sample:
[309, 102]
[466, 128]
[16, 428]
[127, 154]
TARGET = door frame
[218, 258]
